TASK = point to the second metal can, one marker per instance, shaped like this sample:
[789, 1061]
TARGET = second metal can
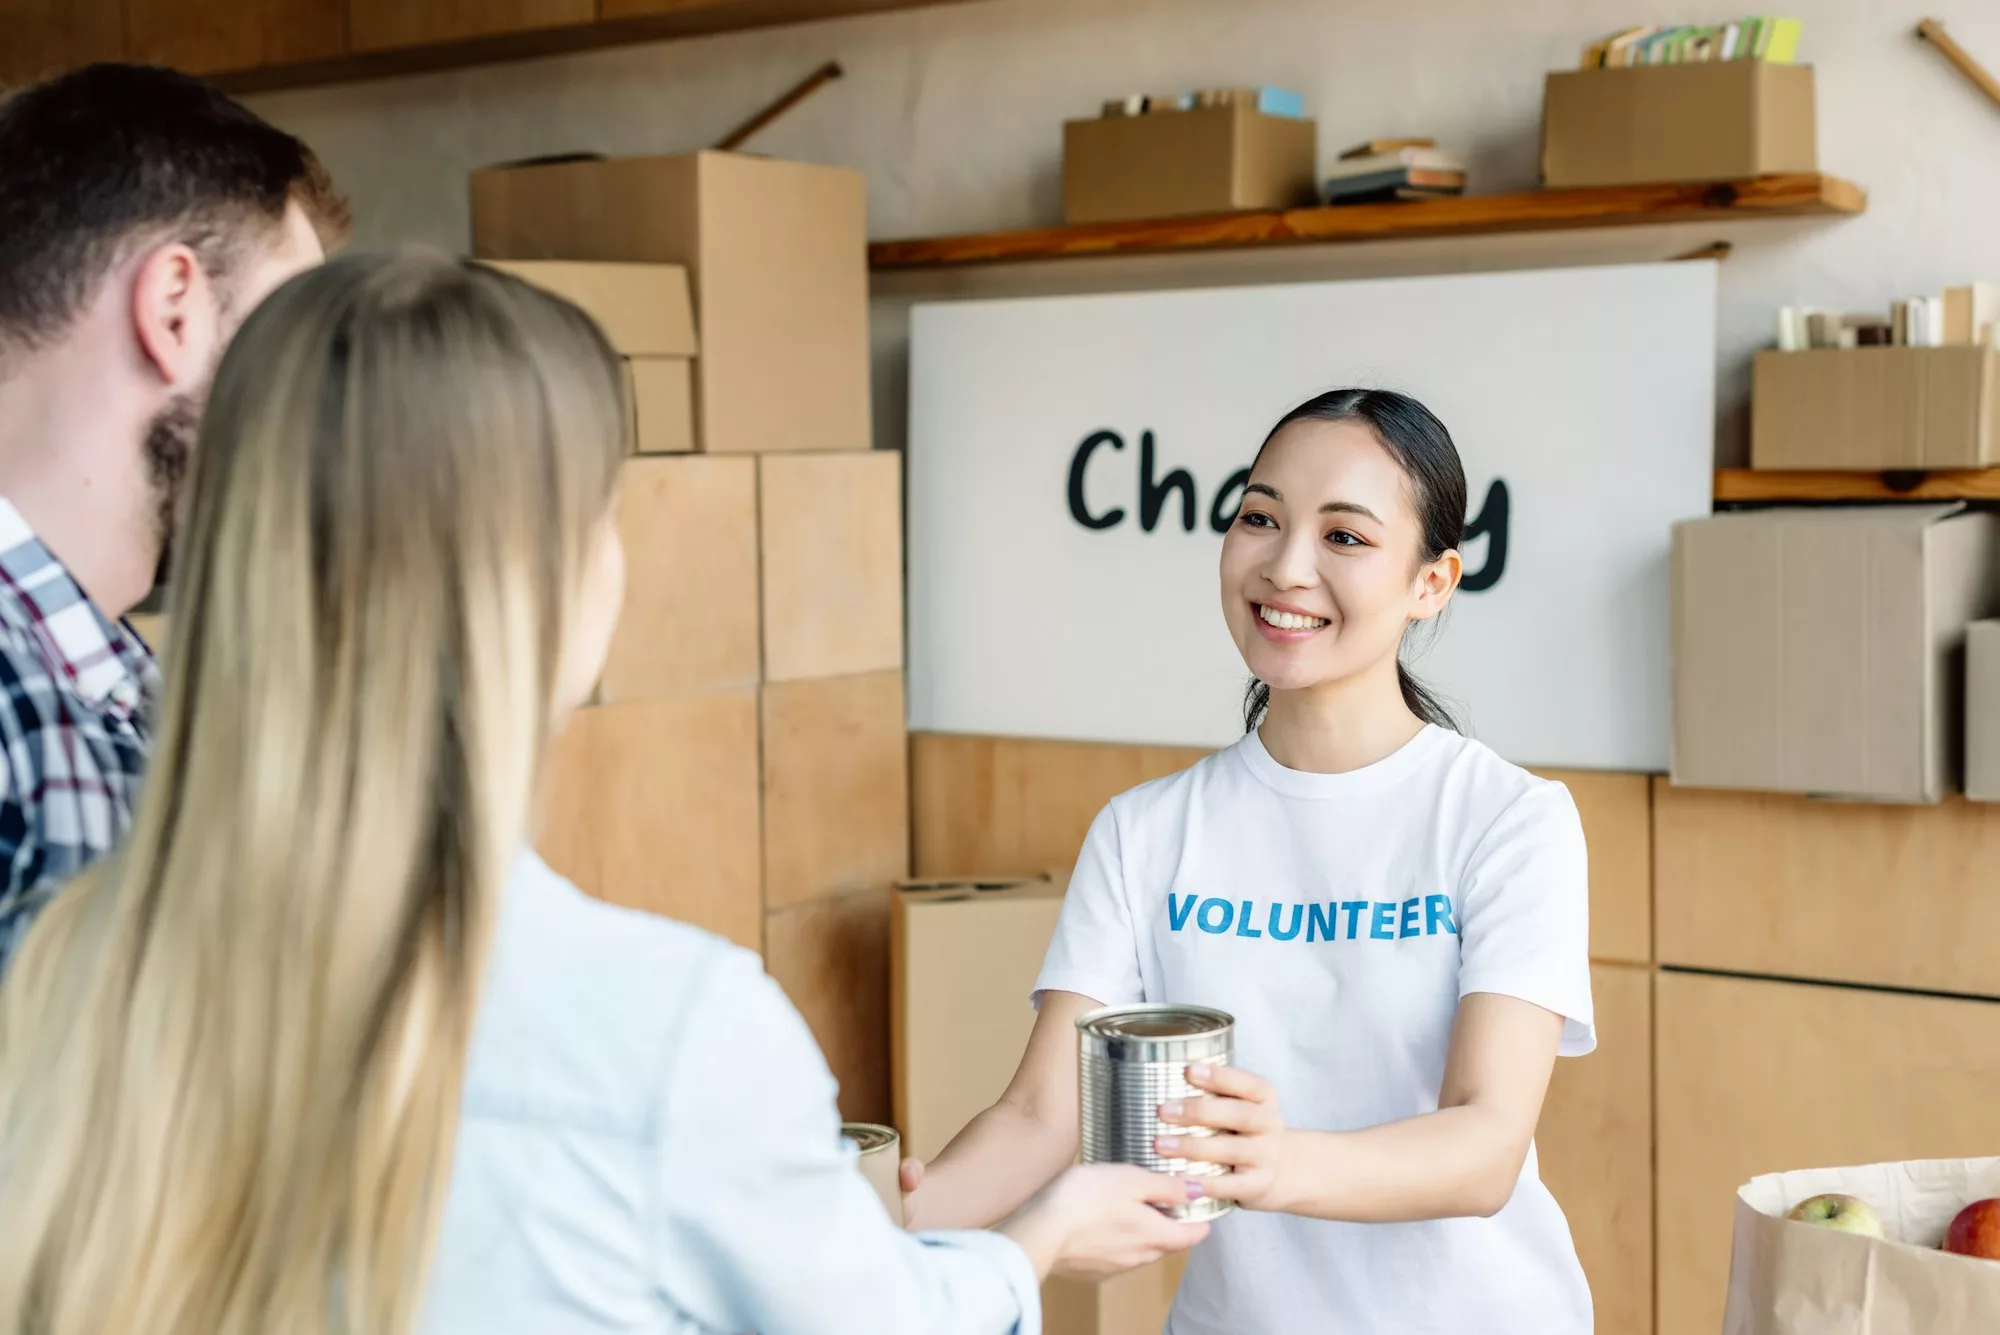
[1131, 1059]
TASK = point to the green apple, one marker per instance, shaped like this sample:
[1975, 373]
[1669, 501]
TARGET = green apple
[1849, 1214]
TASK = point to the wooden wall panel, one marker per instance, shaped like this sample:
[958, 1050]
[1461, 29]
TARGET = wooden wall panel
[210, 36]
[1899, 896]
[1618, 825]
[1595, 1143]
[832, 958]
[1756, 1077]
[43, 37]
[991, 806]
[381, 25]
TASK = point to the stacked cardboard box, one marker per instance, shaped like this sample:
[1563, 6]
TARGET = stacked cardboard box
[744, 765]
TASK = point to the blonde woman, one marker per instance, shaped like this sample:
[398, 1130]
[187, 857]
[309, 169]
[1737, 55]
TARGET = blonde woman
[322, 1048]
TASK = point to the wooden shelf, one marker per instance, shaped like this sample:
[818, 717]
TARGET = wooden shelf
[1738, 485]
[1541, 211]
[626, 22]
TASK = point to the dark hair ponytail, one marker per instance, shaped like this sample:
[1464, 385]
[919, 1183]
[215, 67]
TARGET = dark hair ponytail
[1423, 449]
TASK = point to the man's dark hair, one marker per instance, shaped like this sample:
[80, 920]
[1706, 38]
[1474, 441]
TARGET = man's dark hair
[110, 156]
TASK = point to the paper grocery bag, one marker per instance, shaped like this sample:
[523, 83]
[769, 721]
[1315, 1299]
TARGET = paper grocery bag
[1789, 1278]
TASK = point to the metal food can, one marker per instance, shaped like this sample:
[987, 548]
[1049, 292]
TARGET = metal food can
[1131, 1059]
[881, 1162]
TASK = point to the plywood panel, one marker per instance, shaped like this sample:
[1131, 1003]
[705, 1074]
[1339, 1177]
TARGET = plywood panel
[1005, 806]
[654, 805]
[836, 787]
[1756, 1077]
[832, 958]
[210, 36]
[689, 524]
[43, 37]
[378, 25]
[1617, 824]
[1900, 896]
[1595, 1143]
[831, 528]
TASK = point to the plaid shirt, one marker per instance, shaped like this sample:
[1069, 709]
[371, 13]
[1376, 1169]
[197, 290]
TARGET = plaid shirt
[75, 691]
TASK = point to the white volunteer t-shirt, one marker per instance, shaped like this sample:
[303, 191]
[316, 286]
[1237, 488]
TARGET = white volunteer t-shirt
[1339, 918]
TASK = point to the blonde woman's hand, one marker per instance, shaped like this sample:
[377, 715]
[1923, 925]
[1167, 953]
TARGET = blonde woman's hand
[1101, 1219]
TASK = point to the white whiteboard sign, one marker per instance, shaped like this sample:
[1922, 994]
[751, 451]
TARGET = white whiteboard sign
[1588, 394]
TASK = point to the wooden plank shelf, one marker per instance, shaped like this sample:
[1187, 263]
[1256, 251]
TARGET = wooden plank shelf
[1790, 196]
[1752, 485]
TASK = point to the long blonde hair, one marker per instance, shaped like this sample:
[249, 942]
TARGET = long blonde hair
[233, 1052]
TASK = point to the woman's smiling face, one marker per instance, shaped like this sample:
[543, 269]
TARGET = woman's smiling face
[1323, 569]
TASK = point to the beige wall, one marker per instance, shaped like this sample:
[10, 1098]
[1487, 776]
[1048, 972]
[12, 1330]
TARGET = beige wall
[953, 112]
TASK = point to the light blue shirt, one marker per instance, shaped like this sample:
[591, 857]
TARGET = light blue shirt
[649, 1143]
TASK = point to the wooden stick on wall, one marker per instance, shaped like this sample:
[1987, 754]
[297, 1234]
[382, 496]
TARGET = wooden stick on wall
[806, 87]
[1933, 32]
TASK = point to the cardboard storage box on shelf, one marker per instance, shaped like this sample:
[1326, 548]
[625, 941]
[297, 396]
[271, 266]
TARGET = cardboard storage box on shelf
[1982, 712]
[1791, 1278]
[645, 312]
[1871, 409]
[776, 254]
[831, 529]
[1720, 121]
[1168, 164]
[963, 956]
[1820, 651]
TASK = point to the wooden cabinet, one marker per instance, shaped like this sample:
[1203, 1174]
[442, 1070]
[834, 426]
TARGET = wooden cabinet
[42, 37]
[381, 25]
[1595, 1143]
[212, 36]
[1754, 1076]
[1617, 813]
[1896, 896]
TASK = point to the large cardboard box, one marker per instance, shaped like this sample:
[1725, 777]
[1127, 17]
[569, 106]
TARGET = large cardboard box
[963, 956]
[832, 958]
[1871, 409]
[832, 561]
[645, 312]
[1174, 163]
[1982, 712]
[1775, 884]
[1720, 121]
[836, 787]
[776, 252]
[1757, 1077]
[689, 621]
[1594, 1146]
[1822, 651]
[653, 805]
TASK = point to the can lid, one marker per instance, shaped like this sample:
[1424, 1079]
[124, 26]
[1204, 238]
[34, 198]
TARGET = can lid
[1154, 1021]
[867, 1135]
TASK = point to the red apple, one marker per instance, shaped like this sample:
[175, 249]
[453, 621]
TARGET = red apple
[1976, 1231]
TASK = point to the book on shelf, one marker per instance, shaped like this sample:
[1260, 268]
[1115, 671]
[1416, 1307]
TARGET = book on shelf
[1393, 183]
[1764, 37]
[1376, 148]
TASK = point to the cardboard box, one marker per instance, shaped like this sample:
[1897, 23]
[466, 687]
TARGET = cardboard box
[963, 957]
[1179, 163]
[832, 958]
[836, 788]
[1982, 712]
[1769, 883]
[1755, 1077]
[832, 534]
[1594, 1146]
[689, 621]
[1871, 409]
[653, 805]
[1788, 1278]
[777, 255]
[645, 311]
[1721, 121]
[1821, 651]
